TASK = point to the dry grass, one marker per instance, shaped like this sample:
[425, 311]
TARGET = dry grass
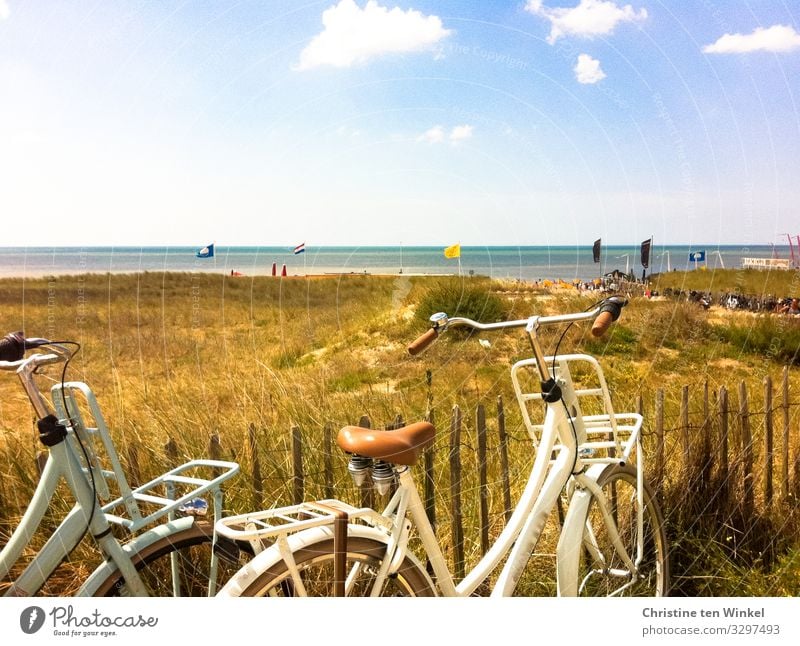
[183, 356]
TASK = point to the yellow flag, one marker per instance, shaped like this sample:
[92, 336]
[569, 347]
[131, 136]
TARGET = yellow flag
[453, 252]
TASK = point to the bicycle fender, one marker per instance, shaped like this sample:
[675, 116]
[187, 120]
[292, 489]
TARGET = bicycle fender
[300, 540]
[568, 551]
[570, 543]
[139, 543]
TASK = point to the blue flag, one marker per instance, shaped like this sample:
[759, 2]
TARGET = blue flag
[697, 256]
[206, 252]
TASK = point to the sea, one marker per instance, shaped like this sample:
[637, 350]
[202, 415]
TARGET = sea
[509, 262]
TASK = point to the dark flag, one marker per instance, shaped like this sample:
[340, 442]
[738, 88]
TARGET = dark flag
[596, 250]
[646, 253]
[205, 252]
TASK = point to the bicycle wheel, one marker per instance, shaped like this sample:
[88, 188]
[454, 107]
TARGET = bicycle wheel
[315, 563]
[602, 572]
[185, 575]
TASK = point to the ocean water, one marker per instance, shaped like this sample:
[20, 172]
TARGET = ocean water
[525, 263]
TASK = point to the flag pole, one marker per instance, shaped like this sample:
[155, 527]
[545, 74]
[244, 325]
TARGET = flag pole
[601, 261]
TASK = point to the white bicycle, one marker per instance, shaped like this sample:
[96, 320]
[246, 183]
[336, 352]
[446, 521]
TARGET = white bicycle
[154, 539]
[612, 541]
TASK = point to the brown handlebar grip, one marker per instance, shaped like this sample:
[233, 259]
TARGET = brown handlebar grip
[422, 342]
[601, 323]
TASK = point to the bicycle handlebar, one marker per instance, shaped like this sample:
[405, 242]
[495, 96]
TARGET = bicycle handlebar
[610, 310]
[603, 315]
[422, 342]
[13, 346]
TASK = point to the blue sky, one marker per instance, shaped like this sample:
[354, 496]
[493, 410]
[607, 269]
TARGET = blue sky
[421, 122]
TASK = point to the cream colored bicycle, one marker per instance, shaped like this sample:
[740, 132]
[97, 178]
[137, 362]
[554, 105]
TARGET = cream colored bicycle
[612, 541]
[154, 538]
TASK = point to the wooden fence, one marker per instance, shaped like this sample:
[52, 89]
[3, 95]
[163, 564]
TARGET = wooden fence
[708, 457]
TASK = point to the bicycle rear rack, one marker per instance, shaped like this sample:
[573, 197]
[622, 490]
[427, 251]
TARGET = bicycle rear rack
[169, 494]
[261, 527]
[606, 437]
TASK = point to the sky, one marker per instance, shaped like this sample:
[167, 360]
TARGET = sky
[389, 122]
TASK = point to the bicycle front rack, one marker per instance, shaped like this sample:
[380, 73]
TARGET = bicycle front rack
[172, 493]
[606, 437]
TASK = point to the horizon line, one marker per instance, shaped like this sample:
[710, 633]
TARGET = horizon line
[392, 246]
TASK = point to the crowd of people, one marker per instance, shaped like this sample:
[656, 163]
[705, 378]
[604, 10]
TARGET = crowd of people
[768, 303]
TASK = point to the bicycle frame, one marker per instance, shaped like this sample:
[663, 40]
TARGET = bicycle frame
[565, 445]
[563, 431]
[75, 460]
[518, 539]
[293, 528]
[62, 463]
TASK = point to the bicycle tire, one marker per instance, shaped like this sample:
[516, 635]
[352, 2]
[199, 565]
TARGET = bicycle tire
[192, 546]
[619, 485]
[315, 562]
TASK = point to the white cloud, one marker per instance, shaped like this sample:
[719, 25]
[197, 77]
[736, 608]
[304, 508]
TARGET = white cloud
[587, 70]
[590, 18]
[459, 133]
[4, 10]
[778, 38]
[352, 35]
[438, 135]
[434, 135]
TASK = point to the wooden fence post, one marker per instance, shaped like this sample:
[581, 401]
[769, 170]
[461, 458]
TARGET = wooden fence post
[722, 461]
[171, 449]
[214, 447]
[785, 438]
[768, 441]
[134, 474]
[430, 494]
[41, 460]
[659, 415]
[480, 423]
[685, 436]
[504, 471]
[215, 451]
[705, 431]
[457, 528]
[298, 485]
[747, 451]
[327, 448]
[795, 486]
[258, 489]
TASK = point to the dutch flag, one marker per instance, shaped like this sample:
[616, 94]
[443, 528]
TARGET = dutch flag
[301, 248]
